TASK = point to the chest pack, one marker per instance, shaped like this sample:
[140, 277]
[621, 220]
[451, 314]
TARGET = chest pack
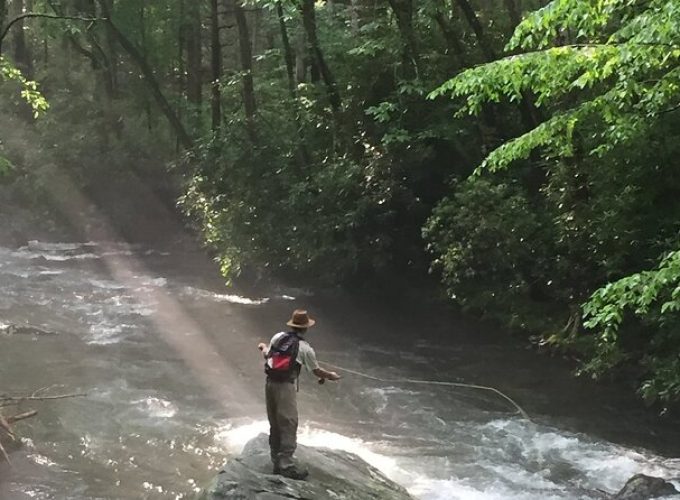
[281, 364]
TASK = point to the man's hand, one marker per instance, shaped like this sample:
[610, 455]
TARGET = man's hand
[325, 375]
[262, 346]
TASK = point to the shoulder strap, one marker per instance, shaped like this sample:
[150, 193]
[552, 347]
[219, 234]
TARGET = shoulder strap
[296, 346]
[277, 341]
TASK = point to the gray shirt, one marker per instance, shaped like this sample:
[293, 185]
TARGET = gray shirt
[306, 355]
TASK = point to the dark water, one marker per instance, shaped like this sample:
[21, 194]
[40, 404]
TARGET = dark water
[174, 387]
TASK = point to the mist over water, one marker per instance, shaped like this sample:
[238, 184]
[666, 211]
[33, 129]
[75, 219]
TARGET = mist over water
[174, 387]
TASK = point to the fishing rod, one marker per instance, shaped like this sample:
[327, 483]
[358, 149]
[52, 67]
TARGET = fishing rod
[430, 382]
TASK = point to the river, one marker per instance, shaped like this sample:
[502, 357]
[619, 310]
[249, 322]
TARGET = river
[174, 384]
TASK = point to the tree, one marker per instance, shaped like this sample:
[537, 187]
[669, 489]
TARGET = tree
[146, 70]
[403, 11]
[608, 73]
[308, 13]
[246, 58]
[193, 37]
[22, 54]
[215, 67]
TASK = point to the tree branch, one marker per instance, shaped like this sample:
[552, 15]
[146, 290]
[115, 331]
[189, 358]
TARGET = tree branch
[10, 400]
[47, 16]
[670, 110]
[5, 455]
[21, 416]
[5, 426]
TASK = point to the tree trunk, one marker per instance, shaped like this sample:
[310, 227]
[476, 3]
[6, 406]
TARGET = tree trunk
[287, 51]
[150, 78]
[254, 31]
[108, 50]
[513, 12]
[525, 105]
[301, 58]
[181, 80]
[531, 116]
[452, 38]
[476, 25]
[302, 155]
[354, 16]
[309, 24]
[215, 67]
[100, 59]
[246, 56]
[145, 54]
[403, 11]
[194, 52]
[22, 53]
[3, 19]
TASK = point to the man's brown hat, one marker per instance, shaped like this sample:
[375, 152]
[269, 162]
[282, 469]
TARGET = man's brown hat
[300, 319]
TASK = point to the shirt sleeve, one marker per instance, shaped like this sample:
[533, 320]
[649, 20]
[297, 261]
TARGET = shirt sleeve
[307, 357]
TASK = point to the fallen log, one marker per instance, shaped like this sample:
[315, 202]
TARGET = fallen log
[4, 454]
[21, 416]
[6, 422]
[14, 400]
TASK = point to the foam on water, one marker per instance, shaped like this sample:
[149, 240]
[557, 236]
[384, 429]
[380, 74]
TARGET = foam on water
[157, 407]
[595, 464]
[153, 282]
[400, 469]
[105, 334]
[63, 252]
[26, 253]
[234, 438]
[106, 284]
[497, 476]
[19, 273]
[427, 488]
[221, 297]
[50, 272]
[39, 459]
[55, 247]
[62, 258]
[237, 299]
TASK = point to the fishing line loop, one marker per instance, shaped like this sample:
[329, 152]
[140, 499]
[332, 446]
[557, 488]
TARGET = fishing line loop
[517, 407]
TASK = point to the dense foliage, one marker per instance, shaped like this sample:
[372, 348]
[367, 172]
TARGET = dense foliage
[606, 74]
[532, 163]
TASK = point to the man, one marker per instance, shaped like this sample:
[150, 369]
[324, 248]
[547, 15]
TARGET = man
[285, 355]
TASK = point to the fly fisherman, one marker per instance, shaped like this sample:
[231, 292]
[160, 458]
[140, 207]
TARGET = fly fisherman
[285, 355]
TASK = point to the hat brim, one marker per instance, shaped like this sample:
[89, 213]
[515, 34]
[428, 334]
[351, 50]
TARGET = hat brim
[310, 323]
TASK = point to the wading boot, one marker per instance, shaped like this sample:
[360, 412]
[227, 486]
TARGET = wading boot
[294, 473]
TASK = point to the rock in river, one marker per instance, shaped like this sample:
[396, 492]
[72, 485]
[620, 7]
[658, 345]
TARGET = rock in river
[641, 487]
[333, 475]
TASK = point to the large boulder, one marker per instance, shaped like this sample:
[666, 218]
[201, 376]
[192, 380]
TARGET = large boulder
[333, 475]
[642, 487]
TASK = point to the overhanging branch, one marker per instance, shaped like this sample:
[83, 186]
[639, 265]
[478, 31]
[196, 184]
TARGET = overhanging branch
[28, 15]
